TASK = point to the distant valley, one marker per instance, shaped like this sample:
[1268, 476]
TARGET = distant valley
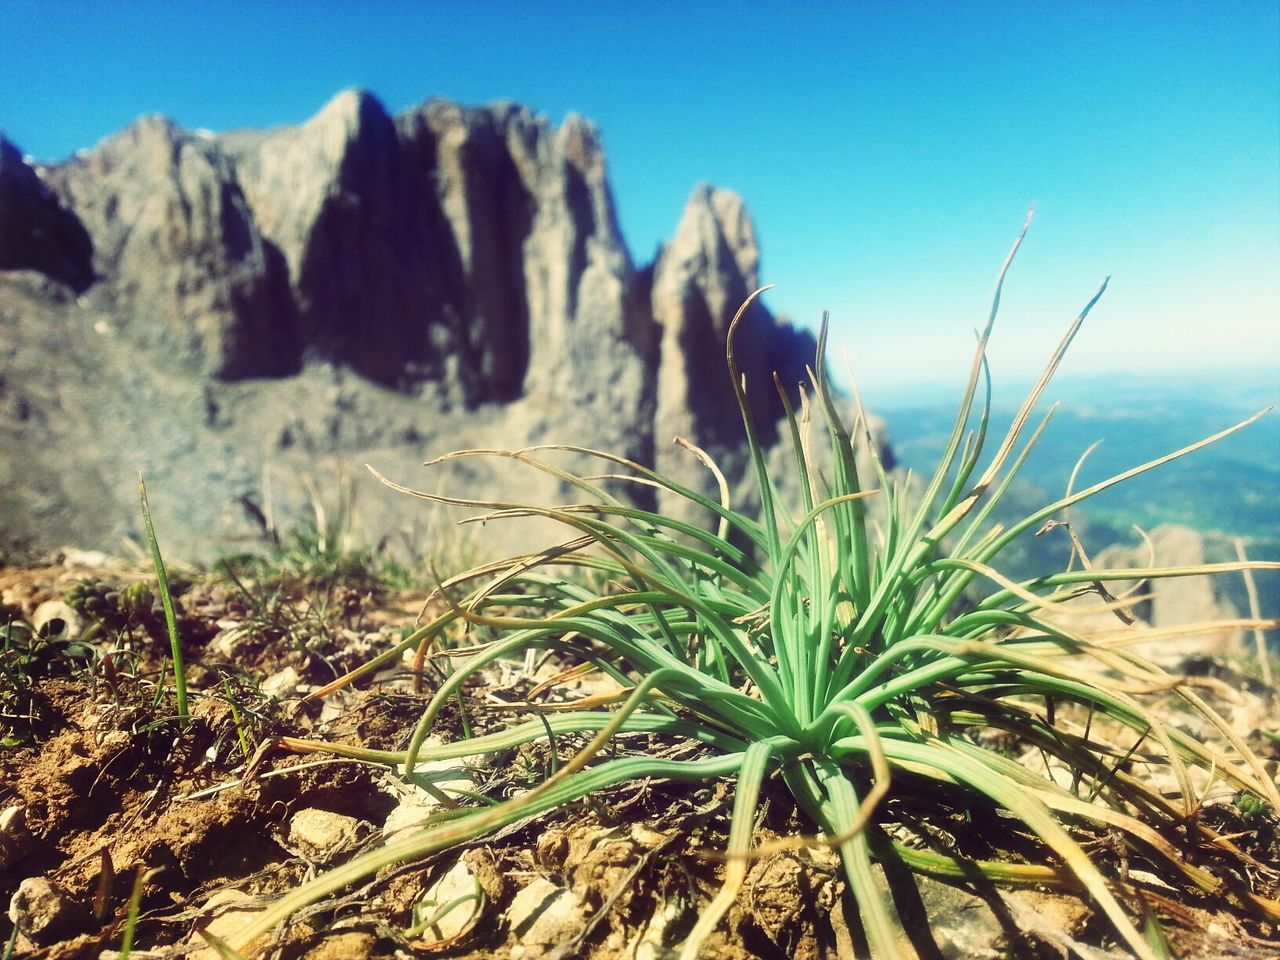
[1231, 487]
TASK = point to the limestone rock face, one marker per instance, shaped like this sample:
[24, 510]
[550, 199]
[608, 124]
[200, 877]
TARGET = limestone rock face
[36, 231]
[361, 287]
[1168, 603]
[700, 279]
[184, 269]
[473, 249]
[323, 193]
[535, 283]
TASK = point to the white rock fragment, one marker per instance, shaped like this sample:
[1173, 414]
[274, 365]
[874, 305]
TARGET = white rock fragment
[334, 707]
[224, 915]
[649, 944]
[73, 557]
[433, 783]
[283, 684]
[452, 903]
[409, 814]
[448, 777]
[543, 914]
[41, 912]
[223, 645]
[315, 834]
[54, 618]
[15, 839]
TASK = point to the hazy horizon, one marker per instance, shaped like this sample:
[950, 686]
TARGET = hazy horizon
[888, 152]
[1252, 385]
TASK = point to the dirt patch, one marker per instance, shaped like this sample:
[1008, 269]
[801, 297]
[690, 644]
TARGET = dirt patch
[101, 784]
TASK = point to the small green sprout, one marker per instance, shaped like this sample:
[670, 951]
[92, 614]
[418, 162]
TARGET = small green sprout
[1251, 807]
[170, 618]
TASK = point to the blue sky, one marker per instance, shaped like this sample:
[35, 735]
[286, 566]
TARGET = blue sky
[888, 151]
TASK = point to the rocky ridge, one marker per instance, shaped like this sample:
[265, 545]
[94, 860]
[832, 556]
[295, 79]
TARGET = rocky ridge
[235, 313]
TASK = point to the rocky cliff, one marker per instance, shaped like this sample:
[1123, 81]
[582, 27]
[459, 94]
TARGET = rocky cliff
[236, 313]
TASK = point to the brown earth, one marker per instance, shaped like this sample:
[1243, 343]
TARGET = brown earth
[101, 784]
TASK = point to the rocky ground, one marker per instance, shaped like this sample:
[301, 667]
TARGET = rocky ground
[102, 787]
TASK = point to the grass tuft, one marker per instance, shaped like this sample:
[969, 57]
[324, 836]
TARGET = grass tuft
[859, 645]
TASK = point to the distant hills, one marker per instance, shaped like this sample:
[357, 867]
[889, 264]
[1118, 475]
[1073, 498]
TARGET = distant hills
[1228, 489]
[1231, 486]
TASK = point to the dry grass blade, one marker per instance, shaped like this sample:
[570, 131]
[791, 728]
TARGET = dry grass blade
[1255, 610]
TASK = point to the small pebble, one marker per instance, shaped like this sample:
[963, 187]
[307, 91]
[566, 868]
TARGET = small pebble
[53, 618]
[43, 913]
[15, 839]
[542, 914]
[316, 834]
[460, 887]
[283, 684]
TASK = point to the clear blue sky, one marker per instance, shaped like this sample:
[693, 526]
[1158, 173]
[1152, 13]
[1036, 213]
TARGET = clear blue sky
[887, 151]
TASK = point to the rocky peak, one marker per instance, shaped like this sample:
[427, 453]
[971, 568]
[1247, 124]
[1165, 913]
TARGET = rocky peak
[700, 279]
[290, 175]
[1166, 603]
[715, 246]
[1171, 603]
[325, 195]
[183, 268]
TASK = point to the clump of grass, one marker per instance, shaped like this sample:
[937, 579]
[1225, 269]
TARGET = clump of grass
[324, 547]
[841, 650]
[313, 556]
[26, 657]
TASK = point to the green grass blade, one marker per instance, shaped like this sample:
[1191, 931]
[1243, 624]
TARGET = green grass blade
[166, 599]
[755, 764]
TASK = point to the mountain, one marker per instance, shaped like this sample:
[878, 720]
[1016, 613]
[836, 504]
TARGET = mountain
[248, 317]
